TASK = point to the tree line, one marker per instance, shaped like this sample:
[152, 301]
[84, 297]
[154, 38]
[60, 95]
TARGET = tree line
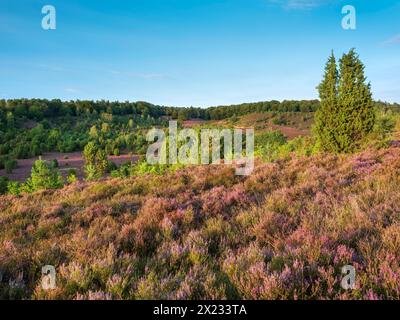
[42, 109]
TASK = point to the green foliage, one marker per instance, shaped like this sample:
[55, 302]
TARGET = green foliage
[326, 117]
[43, 177]
[280, 120]
[91, 172]
[267, 144]
[93, 133]
[385, 124]
[300, 146]
[232, 111]
[54, 163]
[89, 153]
[3, 185]
[14, 188]
[10, 165]
[96, 163]
[123, 171]
[71, 177]
[21, 151]
[30, 127]
[65, 127]
[346, 114]
[273, 145]
[382, 133]
[142, 168]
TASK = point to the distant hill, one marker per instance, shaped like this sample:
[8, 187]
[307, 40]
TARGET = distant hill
[40, 109]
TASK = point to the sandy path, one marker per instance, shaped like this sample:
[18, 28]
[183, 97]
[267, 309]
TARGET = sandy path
[66, 161]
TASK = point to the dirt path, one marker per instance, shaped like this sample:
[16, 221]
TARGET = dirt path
[193, 122]
[66, 161]
[290, 132]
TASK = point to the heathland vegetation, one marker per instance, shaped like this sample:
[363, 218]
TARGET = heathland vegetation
[324, 194]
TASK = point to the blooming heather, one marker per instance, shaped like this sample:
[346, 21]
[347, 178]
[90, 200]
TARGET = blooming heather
[284, 232]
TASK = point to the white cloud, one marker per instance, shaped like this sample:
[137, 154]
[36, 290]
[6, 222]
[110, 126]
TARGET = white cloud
[301, 4]
[393, 40]
[72, 90]
[139, 75]
[148, 75]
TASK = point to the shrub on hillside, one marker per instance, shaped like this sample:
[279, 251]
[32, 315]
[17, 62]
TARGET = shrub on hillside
[3, 185]
[10, 165]
[14, 188]
[72, 176]
[383, 130]
[54, 163]
[96, 163]
[267, 144]
[43, 176]
[300, 146]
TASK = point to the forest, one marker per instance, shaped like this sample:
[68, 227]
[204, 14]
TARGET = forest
[30, 127]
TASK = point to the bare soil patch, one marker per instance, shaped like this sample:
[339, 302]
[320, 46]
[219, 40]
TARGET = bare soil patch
[193, 122]
[290, 132]
[66, 161]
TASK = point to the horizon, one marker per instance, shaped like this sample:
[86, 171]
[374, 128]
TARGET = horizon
[192, 53]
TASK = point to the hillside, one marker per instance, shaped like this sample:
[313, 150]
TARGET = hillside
[290, 124]
[284, 232]
[129, 142]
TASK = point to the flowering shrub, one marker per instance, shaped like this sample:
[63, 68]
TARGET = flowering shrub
[284, 232]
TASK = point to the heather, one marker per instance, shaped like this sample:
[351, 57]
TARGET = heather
[283, 232]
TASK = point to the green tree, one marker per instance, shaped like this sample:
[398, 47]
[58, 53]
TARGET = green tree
[327, 114]
[101, 162]
[71, 178]
[93, 132]
[96, 163]
[14, 188]
[116, 152]
[89, 153]
[44, 176]
[345, 115]
[54, 163]
[105, 127]
[356, 117]
[10, 120]
[10, 165]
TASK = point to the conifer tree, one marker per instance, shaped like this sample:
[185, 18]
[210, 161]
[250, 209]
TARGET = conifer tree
[356, 117]
[326, 115]
[346, 113]
[96, 163]
[44, 176]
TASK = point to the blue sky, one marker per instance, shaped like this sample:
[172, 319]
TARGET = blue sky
[191, 52]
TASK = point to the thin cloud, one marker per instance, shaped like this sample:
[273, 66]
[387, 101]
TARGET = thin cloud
[148, 75]
[51, 68]
[140, 75]
[301, 4]
[72, 90]
[393, 40]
